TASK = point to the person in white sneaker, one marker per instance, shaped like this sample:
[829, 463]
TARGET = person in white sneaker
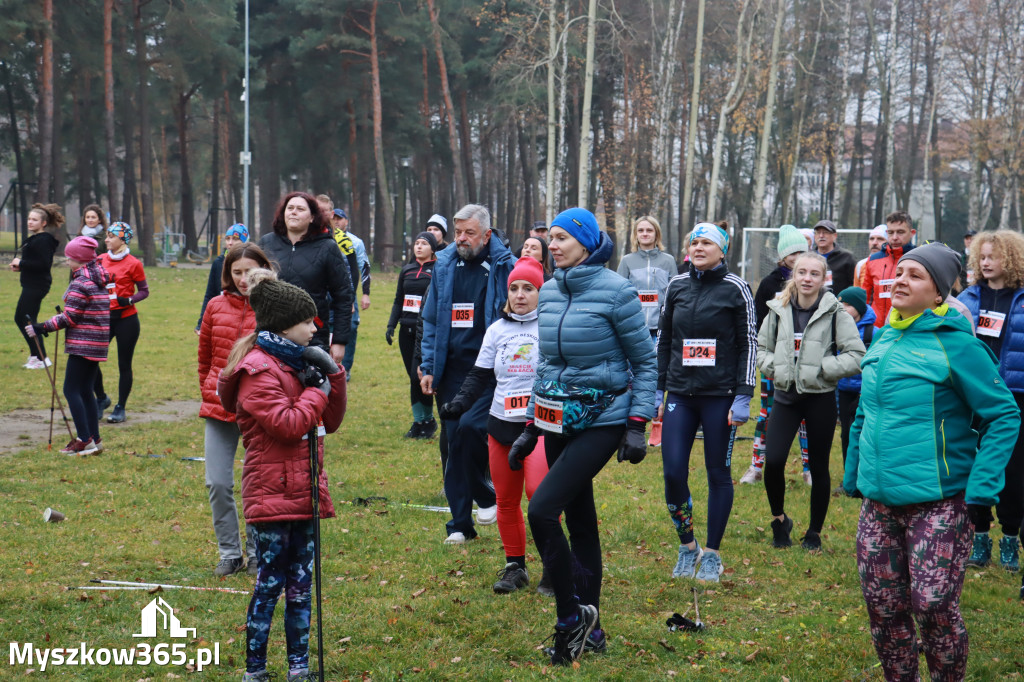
[33, 266]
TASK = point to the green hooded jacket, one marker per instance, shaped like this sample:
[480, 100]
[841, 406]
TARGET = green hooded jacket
[912, 439]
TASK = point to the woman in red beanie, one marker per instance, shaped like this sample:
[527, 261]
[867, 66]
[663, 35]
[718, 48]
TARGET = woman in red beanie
[509, 354]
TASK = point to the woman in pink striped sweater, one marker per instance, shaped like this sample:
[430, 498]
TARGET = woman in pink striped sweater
[86, 316]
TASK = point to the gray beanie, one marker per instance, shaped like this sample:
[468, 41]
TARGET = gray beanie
[941, 262]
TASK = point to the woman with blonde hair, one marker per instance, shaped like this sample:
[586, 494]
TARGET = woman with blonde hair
[807, 343]
[995, 301]
[34, 264]
[649, 267]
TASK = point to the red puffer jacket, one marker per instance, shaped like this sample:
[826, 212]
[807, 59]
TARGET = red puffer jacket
[275, 411]
[228, 317]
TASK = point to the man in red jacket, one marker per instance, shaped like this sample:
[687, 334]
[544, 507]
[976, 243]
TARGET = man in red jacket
[881, 267]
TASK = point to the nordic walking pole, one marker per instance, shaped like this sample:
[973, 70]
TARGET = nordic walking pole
[314, 471]
[53, 395]
[53, 381]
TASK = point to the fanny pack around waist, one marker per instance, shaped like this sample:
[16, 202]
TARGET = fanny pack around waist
[568, 410]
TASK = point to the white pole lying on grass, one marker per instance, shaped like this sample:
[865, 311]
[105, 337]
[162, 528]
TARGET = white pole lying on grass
[150, 586]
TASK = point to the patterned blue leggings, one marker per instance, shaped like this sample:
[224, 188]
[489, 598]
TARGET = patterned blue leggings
[284, 551]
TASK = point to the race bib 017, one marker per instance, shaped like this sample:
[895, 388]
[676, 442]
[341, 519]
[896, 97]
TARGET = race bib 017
[699, 352]
[516, 402]
[462, 315]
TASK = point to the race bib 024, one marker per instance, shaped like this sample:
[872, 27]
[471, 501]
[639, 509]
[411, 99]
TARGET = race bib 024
[699, 352]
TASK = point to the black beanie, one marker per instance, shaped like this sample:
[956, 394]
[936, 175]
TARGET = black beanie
[941, 262]
[428, 238]
[278, 305]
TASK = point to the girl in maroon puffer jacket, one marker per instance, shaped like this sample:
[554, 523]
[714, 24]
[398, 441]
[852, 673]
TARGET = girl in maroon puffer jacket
[226, 318]
[281, 391]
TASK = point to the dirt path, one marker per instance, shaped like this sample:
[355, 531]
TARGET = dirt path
[21, 429]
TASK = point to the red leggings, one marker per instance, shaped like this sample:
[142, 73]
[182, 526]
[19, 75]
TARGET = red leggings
[508, 489]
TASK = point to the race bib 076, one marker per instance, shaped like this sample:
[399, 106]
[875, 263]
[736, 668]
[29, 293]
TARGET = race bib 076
[547, 414]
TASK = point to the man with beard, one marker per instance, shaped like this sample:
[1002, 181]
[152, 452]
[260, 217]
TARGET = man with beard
[467, 293]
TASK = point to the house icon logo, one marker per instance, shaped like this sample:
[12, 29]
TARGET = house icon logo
[159, 613]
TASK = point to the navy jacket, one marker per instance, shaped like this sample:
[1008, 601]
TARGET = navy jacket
[1011, 355]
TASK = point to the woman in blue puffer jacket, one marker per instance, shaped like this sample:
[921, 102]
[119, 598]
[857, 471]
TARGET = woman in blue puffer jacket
[592, 333]
[996, 302]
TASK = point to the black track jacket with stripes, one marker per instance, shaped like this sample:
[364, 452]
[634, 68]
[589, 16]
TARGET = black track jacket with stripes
[707, 341]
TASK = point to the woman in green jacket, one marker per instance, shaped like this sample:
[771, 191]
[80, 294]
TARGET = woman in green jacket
[918, 463]
[807, 342]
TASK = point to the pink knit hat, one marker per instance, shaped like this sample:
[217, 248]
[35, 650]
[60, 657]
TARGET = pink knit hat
[527, 269]
[81, 249]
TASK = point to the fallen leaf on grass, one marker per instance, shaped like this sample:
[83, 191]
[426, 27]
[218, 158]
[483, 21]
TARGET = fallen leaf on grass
[666, 645]
[344, 640]
[750, 658]
[418, 593]
[457, 659]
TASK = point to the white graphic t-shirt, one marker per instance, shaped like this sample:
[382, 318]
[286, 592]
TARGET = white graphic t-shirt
[510, 349]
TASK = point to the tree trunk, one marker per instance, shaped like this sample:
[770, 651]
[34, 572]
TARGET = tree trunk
[108, 103]
[388, 210]
[148, 224]
[214, 231]
[522, 230]
[453, 138]
[424, 185]
[549, 179]
[43, 182]
[588, 95]
[57, 152]
[188, 216]
[465, 138]
[837, 190]
[691, 133]
[757, 217]
[664, 56]
[81, 136]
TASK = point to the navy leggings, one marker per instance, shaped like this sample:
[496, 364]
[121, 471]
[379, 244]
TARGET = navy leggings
[126, 331]
[79, 375]
[683, 415]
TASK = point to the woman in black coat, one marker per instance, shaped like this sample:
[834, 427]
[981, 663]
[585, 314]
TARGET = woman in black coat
[34, 265]
[306, 255]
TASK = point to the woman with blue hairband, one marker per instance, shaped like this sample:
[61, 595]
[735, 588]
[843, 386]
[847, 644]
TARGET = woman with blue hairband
[707, 346]
[236, 234]
[128, 288]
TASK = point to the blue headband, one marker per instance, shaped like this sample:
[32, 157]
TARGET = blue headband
[239, 230]
[712, 232]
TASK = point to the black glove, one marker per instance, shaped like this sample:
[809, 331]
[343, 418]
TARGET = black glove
[389, 335]
[40, 330]
[321, 359]
[313, 377]
[452, 409]
[523, 446]
[124, 301]
[634, 442]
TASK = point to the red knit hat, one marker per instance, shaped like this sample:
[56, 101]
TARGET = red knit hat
[81, 249]
[527, 269]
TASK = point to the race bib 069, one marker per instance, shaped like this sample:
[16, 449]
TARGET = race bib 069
[649, 299]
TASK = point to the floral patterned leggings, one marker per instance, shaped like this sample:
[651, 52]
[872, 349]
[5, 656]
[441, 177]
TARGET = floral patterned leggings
[284, 551]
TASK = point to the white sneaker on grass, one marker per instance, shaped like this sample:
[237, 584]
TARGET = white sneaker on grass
[485, 516]
[752, 475]
[456, 538]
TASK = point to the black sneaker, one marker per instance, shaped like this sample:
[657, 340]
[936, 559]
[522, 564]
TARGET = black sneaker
[597, 642]
[569, 644]
[229, 567]
[811, 541]
[513, 577]
[414, 431]
[780, 532]
[428, 429]
[252, 567]
[102, 404]
[117, 416]
[544, 587]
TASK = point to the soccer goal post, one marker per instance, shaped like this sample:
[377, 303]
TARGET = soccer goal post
[759, 253]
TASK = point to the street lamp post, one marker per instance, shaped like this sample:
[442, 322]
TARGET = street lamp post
[295, 181]
[406, 162]
[246, 157]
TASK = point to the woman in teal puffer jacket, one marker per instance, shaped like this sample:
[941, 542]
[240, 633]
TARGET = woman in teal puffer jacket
[918, 463]
[594, 395]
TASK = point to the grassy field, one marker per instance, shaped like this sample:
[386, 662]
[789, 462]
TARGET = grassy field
[398, 603]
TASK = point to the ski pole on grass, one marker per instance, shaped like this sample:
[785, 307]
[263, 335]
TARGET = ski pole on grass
[53, 395]
[314, 471]
[53, 381]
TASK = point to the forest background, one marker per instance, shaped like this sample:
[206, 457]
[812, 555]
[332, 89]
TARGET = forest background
[757, 112]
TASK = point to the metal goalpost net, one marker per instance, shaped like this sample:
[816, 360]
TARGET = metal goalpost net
[759, 253]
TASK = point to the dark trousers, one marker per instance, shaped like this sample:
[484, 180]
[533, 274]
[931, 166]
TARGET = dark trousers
[407, 345]
[848, 402]
[818, 411]
[465, 472]
[683, 416]
[1010, 508]
[79, 376]
[28, 304]
[126, 331]
[574, 565]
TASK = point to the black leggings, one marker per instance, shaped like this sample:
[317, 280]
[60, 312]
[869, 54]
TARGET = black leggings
[1010, 508]
[568, 487]
[818, 410]
[28, 304]
[126, 331]
[848, 402]
[79, 376]
[407, 345]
